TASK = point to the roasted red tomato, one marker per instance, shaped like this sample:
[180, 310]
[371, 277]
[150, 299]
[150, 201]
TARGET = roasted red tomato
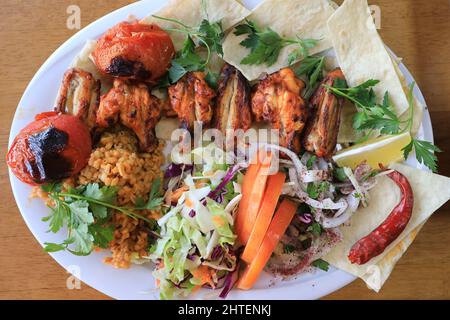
[134, 51]
[53, 147]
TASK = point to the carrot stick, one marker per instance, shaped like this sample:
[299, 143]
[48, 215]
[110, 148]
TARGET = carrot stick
[268, 206]
[251, 208]
[277, 228]
[247, 184]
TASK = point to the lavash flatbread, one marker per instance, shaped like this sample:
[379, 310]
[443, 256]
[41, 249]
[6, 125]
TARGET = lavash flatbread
[430, 190]
[361, 52]
[304, 18]
[362, 55]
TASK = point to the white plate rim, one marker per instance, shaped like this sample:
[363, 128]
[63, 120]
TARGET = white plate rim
[317, 286]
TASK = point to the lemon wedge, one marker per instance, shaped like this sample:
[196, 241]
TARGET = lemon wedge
[385, 150]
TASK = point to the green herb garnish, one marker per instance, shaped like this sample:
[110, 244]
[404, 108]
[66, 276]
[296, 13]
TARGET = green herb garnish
[288, 248]
[86, 211]
[321, 264]
[265, 45]
[315, 229]
[314, 190]
[310, 162]
[312, 68]
[339, 174]
[373, 116]
[208, 35]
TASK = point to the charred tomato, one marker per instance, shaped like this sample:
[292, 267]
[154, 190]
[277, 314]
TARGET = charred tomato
[53, 147]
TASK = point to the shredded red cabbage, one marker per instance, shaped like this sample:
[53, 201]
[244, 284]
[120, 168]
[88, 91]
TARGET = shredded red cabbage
[217, 192]
[217, 252]
[175, 170]
[305, 218]
[230, 281]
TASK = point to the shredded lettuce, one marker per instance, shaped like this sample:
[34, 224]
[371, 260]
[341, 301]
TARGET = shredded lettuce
[192, 229]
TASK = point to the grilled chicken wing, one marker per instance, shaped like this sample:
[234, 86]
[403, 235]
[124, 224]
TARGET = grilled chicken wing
[134, 51]
[79, 95]
[191, 99]
[277, 99]
[135, 108]
[233, 101]
[322, 128]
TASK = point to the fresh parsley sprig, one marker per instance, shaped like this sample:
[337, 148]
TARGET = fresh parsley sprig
[425, 150]
[312, 68]
[373, 116]
[208, 35]
[86, 211]
[265, 45]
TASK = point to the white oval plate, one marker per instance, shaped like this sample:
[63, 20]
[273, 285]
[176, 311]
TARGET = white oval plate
[137, 282]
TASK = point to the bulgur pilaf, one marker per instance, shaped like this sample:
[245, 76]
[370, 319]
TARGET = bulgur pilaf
[116, 162]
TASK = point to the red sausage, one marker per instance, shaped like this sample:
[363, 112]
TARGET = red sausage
[377, 241]
[53, 147]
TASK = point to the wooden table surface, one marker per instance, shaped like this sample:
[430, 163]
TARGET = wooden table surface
[30, 30]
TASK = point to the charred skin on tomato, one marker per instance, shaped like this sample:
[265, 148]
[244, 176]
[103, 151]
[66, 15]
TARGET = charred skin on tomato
[53, 147]
[134, 51]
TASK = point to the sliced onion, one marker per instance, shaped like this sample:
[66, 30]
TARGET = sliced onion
[314, 176]
[233, 203]
[295, 160]
[363, 193]
[326, 204]
[341, 218]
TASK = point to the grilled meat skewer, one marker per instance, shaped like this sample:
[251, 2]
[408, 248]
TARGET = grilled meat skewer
[79, 95]
[233, 101]
[277, 100]
[322, 127]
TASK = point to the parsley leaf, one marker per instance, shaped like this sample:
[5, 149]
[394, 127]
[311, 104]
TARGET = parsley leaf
[310, 162]
[424, 152]
[288, 248]
[339, 174]
[302, 51]
[315, 228]
[54, 247]
[212, 34]
[102, 234]
[380, 116]
[265, 45]
[314, 190]
[321, 264]
[154, 202]
[209, 35]
[311, 68]
[85, 211]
